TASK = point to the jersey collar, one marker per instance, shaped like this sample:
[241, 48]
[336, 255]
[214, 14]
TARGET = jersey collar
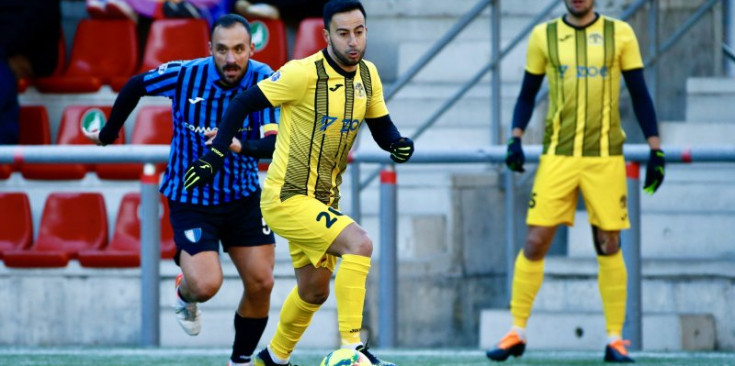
[214, 75]
[339, 70]
[564, 19]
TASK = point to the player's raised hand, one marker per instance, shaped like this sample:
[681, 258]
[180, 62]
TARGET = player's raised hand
[515, 158]
[401, 150]
[201, 171]
[655, 170]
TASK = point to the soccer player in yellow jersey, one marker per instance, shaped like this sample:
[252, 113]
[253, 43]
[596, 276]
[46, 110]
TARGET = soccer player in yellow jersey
[324, 98]
[583, 54]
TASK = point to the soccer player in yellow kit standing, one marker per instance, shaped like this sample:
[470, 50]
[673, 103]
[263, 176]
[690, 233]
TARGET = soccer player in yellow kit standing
[324, 98]
[583, 54]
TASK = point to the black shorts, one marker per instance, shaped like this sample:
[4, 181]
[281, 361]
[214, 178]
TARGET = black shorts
[236, 224]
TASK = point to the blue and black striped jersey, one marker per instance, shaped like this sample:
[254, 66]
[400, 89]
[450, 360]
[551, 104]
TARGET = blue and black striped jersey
[198, 104]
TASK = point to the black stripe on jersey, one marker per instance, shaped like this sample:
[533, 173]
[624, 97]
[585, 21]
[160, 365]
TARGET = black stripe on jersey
[557, 96]
[366, 81]
[615, 136]
[322, 188]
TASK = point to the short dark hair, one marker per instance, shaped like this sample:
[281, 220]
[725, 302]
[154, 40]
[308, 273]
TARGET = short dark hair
[228, 20]
[340, 6]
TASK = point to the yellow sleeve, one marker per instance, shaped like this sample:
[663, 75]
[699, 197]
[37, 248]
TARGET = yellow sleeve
[536, 58]
[376, 104]
[286, 85]
[630, 56]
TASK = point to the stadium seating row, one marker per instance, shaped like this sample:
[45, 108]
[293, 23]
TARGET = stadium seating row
[105, 51]
[74, 226]
[153, 126]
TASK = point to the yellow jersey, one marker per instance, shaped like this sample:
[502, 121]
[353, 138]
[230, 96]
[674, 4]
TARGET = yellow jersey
[322, 109]
[583, 66]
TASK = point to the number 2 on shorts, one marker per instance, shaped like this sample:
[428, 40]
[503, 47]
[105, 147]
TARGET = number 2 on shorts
[328, 220]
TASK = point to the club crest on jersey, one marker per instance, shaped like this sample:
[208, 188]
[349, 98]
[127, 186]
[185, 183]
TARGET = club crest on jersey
[162, 69]
[359, 90]
[275, 76]
[193, 235]
[595, 39]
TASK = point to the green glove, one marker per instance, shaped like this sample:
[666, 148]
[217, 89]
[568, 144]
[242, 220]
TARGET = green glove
[515, 158]
[203, 170]
[654, 171]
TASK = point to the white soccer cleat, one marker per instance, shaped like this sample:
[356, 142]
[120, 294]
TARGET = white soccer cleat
[188, 316]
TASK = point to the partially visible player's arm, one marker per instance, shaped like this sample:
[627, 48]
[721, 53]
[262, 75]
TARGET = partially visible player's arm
[386, 135]
[514, 158]
[525, 103]
[121, 109]
[646, 115]
[643, 106]
[243, 104]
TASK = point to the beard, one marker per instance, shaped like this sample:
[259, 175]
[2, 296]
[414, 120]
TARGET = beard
[346, 60]
[230, 67]
[580, 13]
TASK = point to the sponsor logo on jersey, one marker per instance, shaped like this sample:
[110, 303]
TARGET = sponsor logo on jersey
[275, 76]
[195, 100]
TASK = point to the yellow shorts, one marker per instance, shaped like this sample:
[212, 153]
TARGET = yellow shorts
[309, 226]
[601, 181]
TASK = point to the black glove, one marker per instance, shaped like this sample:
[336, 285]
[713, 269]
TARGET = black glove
[401, 150]
[654, 171]
[515, 158]
[201, 171]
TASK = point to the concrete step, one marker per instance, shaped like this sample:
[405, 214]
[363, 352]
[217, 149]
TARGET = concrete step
[667, 235]
[586, 330]
[447, 66]
[695, 132]
[710, 100]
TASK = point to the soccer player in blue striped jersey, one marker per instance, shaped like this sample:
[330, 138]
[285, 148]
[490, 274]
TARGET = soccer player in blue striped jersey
[228, 208]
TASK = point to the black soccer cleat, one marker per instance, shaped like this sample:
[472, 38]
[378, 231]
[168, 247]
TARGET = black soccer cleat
[263, 358]
[373, 359]
[510, 345]
[616, 352]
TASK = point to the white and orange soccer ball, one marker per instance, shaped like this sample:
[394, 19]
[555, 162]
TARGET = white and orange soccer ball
[345, 357]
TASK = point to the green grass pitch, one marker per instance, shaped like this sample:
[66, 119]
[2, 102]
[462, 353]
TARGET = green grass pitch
[445, 357]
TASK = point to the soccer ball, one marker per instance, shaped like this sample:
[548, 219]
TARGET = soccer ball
[345, 357]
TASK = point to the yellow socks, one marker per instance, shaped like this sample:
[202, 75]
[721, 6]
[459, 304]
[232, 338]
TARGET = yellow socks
[349, 286]
[527, 278]
[295, 317]
[613, 283]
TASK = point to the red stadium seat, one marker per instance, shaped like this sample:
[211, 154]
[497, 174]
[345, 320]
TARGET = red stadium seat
[70, 133]
[153, 126]
[124, 249]
[33, 130]
[309, 38]
[271, 45]
[16, 227]
[24, 83]
[165, 44]
[70, 222]
[102, 50]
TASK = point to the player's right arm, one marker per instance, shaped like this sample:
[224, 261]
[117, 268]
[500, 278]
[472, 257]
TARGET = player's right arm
[160, 81]
[533, 77]
[285, 85]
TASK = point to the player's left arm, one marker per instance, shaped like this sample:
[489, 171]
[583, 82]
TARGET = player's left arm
[632, 69]
[384, 131]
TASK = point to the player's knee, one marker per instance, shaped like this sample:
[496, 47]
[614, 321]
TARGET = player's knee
[202, 291]
[260, 286]
[315, 295]
[607, 244]
[362, 245]
[534, 248]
